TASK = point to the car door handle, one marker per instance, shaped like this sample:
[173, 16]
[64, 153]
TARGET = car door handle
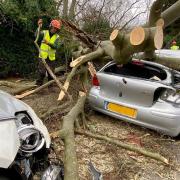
[120, 94]
[124, 81]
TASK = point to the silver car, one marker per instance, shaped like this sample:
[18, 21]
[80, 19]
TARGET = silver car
[141, 92]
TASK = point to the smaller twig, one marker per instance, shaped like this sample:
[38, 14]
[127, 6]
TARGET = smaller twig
[56, 109]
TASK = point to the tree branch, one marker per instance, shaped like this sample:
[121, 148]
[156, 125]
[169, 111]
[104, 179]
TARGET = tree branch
[125, 146]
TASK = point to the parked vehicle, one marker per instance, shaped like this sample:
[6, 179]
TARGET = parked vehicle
[141, 92]
[24, 142]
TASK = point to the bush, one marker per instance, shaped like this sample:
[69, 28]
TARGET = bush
[97, 25]
[18, 24]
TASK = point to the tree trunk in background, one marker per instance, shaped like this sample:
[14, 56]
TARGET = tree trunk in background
[65, 9]
[72, 10]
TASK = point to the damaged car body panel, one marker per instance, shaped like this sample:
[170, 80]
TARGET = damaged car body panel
[12, 106]
[24, 138]
[144, 93]
[8, 151]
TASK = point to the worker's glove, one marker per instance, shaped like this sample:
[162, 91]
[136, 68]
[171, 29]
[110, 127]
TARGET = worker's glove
[40, 22]
[45, 42]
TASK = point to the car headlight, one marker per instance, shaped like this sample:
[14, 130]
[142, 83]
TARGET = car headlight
[170, 96]
[31, 138]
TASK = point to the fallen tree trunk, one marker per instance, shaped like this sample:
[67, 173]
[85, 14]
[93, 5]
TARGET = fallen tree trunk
[171, 14]
[125, 146]
[17, 88]
[67, 135]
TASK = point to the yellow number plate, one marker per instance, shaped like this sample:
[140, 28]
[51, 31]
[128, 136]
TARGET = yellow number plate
[123, 110]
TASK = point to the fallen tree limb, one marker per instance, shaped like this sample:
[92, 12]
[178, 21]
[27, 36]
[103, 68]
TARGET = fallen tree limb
[66, 84]
[56, 80]
[129, 147]
[8, 84]
[59, 69]
[88, 57]
[22, 89]
[91, 69]
[67, 135]
[91, 56]
[37, 89]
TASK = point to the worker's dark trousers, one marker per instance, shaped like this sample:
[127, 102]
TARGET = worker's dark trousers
[42, 71]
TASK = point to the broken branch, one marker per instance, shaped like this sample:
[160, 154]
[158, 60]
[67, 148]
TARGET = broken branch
[125, 146]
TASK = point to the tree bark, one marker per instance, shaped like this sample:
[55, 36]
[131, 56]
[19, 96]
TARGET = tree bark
[155, 12]
[72, 10]
[38, 89]
[138, 40]
[67, 134]
[65, 9]
[78, 62]
[171, 14]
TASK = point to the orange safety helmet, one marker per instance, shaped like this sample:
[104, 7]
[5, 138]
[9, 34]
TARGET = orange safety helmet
[174, 42]
[56, 24]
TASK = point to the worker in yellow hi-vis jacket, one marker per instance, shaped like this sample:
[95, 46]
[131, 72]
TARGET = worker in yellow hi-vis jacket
[174, 46]
[50, 42]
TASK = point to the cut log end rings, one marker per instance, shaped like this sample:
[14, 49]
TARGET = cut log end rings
[137, 36]
[114, 34]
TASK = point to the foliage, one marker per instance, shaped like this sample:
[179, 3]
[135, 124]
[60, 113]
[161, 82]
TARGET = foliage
[96, 24]
[18, 23]
[100, 28]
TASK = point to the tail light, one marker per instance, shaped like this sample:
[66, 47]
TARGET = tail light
[171, 96]
[95, 81]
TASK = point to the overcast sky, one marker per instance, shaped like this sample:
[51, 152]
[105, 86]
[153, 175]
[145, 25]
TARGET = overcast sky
[143, 5]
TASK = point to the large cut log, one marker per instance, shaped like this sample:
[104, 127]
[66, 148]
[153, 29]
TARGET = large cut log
[164, 56]
[139, 39]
